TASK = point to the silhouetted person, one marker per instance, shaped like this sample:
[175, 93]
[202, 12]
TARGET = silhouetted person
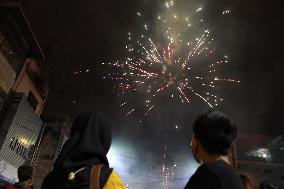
[25, 175]
[267, 185]
[82, 163]
[246, 182]
[213, 135]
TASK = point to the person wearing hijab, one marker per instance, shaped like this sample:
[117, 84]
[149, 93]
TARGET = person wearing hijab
[82, 163]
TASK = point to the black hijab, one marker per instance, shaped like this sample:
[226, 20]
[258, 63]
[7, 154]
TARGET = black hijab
[88, 145]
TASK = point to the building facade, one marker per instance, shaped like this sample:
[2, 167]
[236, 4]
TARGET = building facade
[23, 91]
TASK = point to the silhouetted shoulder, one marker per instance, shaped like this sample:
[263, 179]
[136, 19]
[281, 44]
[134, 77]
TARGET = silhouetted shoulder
[218, 174]
[203, 178]
[226, 174]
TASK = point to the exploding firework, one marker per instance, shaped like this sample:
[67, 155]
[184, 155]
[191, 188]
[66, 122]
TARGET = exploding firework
[174, 62]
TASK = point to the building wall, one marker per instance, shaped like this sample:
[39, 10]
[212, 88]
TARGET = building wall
[20, 123]
[25, 85]
[7, 74]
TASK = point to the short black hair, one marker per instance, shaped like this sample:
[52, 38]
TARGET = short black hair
[215, 131]
[25, 172]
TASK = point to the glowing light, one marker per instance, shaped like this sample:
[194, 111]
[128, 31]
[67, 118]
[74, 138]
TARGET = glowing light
[226, 12]
[146, 27]
[167, 5]
[23, 141]
[263, 153]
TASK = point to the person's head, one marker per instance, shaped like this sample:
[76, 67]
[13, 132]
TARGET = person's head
[89, 142]
[213, 135]
[246, 182]
[25, 173]
[267, 185]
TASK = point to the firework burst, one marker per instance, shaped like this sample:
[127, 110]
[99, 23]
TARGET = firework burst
[176, 62]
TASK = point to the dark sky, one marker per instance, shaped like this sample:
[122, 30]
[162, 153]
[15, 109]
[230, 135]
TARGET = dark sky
[82, 34]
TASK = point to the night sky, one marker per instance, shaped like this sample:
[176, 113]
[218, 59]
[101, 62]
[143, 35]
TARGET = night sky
[81, 34]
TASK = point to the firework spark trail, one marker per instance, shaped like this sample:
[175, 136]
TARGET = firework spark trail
[146, 114]
[155, 49]
[228, 80]
[200, 96]
[130, 112]
[143, 71]
[180, 90]
[160, 90]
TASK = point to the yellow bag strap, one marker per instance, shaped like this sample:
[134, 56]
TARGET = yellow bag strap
[95, 177]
